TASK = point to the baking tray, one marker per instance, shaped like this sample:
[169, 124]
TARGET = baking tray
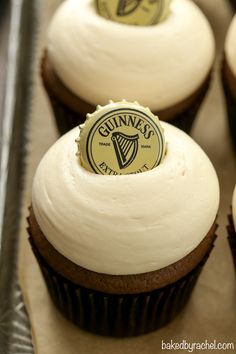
[18, 23]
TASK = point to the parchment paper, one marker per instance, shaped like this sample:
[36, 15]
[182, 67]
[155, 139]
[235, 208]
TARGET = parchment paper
[211, 312]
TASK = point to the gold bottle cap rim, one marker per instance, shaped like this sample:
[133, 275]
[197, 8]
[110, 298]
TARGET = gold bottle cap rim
[121, 138]
[134, 12]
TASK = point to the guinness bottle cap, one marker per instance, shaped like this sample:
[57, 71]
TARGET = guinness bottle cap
[134, 12]
[121, 138]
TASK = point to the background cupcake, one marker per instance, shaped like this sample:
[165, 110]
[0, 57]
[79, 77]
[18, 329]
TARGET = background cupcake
[121, 254]
[90, 59]
[229, 77]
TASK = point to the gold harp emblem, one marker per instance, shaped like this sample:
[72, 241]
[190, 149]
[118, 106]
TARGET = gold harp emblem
[126, 148]
[126, 7]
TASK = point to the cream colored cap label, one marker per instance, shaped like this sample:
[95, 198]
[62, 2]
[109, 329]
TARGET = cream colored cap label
[134, 12]
[121, 138]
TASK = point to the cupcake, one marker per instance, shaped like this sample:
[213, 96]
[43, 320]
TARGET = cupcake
[229, 78]
[231, 227]
[121, 253]
[90, 59]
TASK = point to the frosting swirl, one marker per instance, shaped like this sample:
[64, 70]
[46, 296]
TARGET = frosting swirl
[128, 224]
[158, 65]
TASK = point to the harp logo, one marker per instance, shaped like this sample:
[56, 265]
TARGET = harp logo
[126, 148]
[126, 7]
[134, 12]
[121, 138]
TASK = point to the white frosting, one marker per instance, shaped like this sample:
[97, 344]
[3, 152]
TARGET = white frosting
[230, 46]
[234, 207]
[98, 59]
[126, 224]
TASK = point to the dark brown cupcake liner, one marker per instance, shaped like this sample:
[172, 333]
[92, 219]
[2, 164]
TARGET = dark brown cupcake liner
[232, 238]
[67, 119]
[233, 4]
[231, 108]
[118, 315]
[185, 120]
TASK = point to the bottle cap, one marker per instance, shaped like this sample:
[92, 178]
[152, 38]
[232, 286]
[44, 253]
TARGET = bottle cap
[134, 12]
[121, 138]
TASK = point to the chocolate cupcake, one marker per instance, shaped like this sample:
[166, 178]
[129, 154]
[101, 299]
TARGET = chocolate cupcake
[229, 78]
[231, 228]
[121, 253]
[90, 59]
